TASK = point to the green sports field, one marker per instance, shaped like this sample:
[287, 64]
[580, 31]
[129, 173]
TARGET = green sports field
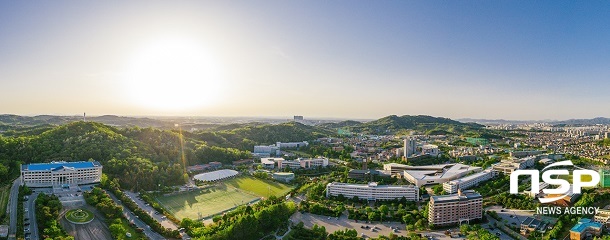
[221, 197]
[259, 187]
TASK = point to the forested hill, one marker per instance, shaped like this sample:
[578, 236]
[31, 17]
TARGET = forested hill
[421, 123]
[245, 136]
[143, 154]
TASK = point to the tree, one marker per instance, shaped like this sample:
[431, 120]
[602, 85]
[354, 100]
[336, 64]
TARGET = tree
[116, 229]
[384, 209]
[438, 189]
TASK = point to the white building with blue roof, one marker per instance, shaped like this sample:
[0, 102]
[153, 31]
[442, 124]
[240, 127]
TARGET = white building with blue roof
[60, 173]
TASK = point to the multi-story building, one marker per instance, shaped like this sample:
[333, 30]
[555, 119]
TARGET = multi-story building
[302, 163]
[519, 154]
[265, 151]
[510, 165]
[604, 178]
[468, 181]
[437, 174]
[365, 174]
[452, 209]
[602, 216]
[431, 150]
[293, 164]
[60, 173]
[372, 191]
[395, 168]
[269, 163]
[282, 145]
[585, 228]
[409, 147]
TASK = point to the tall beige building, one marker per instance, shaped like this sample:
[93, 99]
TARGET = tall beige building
[452, 209]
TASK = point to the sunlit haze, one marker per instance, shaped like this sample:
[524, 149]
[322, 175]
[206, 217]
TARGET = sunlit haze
[340, 59]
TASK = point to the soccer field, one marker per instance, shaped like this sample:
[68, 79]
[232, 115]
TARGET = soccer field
[223, 196]
[206, 202]
[259, 187]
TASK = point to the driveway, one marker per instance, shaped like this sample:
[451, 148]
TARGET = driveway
[151, 211]
[139, 223]
[12, 207]
[31, 205]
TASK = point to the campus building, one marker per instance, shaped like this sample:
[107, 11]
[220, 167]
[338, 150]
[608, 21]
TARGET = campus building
[60, 173]
[452, 209]
[468, 181]
[269, 163]
[602, 216]
[283, 176]
[604, 178]
[585, 228]
[431, 150]
[302, 163]
[531, 224]
[432, 174]
[372, 191]
[510, 165]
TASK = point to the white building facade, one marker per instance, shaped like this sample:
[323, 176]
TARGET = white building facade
[372, 191]
[60, 173]
[468, 181]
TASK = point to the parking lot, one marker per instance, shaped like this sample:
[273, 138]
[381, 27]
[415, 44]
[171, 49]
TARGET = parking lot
[512, 217]
[333, 224]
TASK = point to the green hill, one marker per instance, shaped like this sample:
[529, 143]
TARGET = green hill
[420, 123]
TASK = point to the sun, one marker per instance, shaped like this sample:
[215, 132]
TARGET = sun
[172, 74]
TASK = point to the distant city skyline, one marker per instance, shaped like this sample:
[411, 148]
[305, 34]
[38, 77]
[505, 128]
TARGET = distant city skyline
[345, 60]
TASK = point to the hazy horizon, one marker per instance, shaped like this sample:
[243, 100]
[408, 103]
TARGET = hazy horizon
[362, 60]
[330, 118]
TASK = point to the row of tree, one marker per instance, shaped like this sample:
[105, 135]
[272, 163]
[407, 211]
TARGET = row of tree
[112, 211]
[114, 187]
[47, 215]
[245, 222]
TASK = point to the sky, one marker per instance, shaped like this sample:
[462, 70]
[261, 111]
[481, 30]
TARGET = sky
[521, 60]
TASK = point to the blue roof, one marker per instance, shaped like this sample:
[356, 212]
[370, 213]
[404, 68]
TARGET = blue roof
[585, 223]
[58, 165]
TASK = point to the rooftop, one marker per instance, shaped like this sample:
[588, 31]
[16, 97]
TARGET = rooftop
[585, 223]
[533, 223]
[58, 165]
[439, 171]
[466, 195]
[470, 177]
[373, 185]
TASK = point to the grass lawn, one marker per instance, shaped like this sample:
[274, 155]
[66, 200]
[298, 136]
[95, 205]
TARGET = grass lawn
[220, 197]
[134, 234]
[205, 202]
[79, 216]
[583, 178]
[4, 194]
[259, 187]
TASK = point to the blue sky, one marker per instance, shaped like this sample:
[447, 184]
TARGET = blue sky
[344, 59]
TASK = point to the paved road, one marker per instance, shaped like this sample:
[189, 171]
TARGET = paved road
[31, 205]
[512, 217]
[334, 224]
[496, 231]
[151, 211]
[139, 223]
[97, 229]
[12, 207]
